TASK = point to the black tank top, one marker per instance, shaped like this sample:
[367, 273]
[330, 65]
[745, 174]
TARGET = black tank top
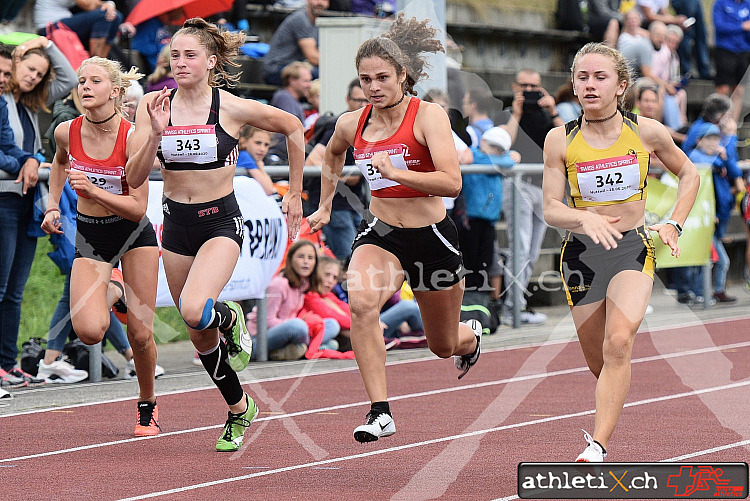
[198, 147]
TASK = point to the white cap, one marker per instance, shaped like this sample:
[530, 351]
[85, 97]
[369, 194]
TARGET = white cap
[497, 136]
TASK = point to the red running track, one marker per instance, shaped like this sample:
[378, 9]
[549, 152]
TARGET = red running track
[690, 395]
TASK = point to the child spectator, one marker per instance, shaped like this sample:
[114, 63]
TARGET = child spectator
[253, 145]
[727, 177]
[162, 75]
[288, 335]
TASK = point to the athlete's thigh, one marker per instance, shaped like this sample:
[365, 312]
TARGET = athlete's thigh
[89, 279]
[140, 270]
[211, 269]
[441, 310]
[628, 295]
[176, 268]
[373, 276]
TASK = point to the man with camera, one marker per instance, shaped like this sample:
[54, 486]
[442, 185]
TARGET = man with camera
[534, 112]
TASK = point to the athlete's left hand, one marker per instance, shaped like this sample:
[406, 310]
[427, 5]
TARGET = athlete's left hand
[291, 206]
[668, 235]
[382, 162]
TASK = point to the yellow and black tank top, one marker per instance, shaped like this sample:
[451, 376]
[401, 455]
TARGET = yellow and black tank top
[606, 176]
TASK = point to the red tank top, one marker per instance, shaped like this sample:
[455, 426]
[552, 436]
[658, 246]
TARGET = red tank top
[402, 147]
[108, 173]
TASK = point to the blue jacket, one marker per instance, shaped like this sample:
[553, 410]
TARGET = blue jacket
[724, 174]
[728, 17]
[12, 157]
[64, 245]
[484, 192]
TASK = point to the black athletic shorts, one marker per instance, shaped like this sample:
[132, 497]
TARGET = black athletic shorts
[108, 238]
[730, 67]
[587, 268]
[188, 226]
[429, 255]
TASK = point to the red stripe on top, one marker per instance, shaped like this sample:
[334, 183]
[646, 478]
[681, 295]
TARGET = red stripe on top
[417, 157]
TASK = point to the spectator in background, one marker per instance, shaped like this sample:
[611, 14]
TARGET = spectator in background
[728, 181]
[674, 98]
[694, 41]
[535, 113]
[377, 8]
[635, 47]
[296, 39]
[716, 108]
[133, 96]
[349, 200]
[732, 31]
[296, 79]
[253, 145]
[605, 20]
[8, 12]
[647, 104]
[288, 335]
[162, 75]
[657, 10]
[152, 36]
[40, 76]
[95, 23]
[567, 105]
[477, 106]
[313, 98]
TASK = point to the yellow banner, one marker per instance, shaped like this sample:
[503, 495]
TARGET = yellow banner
[698, 230]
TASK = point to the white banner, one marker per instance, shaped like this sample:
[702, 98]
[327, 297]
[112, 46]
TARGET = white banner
[262, 248]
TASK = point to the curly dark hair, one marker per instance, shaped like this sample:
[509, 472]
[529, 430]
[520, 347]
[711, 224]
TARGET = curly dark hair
[224, 45]
[402, 46]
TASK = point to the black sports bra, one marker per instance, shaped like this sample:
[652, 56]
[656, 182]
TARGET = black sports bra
[198, 147]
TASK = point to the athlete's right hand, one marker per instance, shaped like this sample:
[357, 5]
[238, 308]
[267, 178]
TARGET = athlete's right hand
[51, 223]
[158, 110]
[318, 219]
[599, 228]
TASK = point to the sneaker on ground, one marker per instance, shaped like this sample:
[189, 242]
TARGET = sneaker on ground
[593, 453]
[234, 429]
[8, 380]
[529, 316]
[130, 370]
[60, 371]
[239, 341]
[5, 394]
[466, 362]
[197, 359]
[30, 380]
[120, 308]
[376, 426]
[331, 344]
[147, 424]
[292, 351]
[391, 343]
[722, 297]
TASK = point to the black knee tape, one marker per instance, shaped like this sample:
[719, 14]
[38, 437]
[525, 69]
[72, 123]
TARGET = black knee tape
[223, 316]
[223, 376]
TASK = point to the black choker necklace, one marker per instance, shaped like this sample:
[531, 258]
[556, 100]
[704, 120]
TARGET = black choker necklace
[600, 120]
[395, 104]
[103, 121]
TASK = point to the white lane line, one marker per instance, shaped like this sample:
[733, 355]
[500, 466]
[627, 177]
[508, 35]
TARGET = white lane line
[650, 331]
[676, 458]
[390, 399]
[312, 464]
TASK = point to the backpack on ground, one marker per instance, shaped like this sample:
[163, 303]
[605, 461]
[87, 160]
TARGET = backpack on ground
[78, 354]
[32, 353]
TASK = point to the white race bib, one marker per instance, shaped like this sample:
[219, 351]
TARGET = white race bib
[609, 179]
[189, 143]
[110, 179]
[363, 157]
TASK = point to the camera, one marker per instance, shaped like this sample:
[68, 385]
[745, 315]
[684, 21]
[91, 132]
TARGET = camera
[531, 99]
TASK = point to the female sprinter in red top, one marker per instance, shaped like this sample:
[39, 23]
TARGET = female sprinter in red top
[404, 148]
[111, 223]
